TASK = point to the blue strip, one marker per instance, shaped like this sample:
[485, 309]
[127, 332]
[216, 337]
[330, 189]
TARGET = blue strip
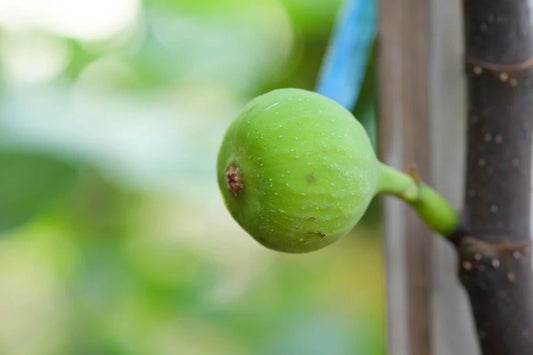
[343, 70]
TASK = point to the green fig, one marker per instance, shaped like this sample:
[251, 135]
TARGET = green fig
[297, 171]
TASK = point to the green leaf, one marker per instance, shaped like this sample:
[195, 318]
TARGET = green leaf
[29, 182]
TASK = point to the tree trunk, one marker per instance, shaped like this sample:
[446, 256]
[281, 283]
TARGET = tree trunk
[494, 249]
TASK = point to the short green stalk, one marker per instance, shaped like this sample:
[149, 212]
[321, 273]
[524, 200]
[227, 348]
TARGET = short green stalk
[430, 205]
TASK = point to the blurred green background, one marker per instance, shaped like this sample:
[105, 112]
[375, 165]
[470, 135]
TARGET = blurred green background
[113, 235]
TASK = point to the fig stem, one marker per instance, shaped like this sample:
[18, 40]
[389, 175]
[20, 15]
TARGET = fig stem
[432, 207]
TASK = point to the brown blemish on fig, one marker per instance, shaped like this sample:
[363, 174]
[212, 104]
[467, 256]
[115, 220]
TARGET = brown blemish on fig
[234, 179]
[312, 219]
[311, 178]
[320, 234]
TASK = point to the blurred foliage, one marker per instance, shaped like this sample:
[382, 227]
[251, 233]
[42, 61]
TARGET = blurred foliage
[113, 235]
[23, 194]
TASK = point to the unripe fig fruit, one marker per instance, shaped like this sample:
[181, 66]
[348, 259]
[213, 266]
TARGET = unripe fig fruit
[296, 170]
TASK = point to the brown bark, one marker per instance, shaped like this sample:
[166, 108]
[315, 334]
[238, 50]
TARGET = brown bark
[494, 252]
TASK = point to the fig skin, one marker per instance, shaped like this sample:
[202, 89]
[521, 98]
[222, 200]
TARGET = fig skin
[296, 170]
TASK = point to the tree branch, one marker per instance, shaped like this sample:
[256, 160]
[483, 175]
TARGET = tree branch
[494, 254]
